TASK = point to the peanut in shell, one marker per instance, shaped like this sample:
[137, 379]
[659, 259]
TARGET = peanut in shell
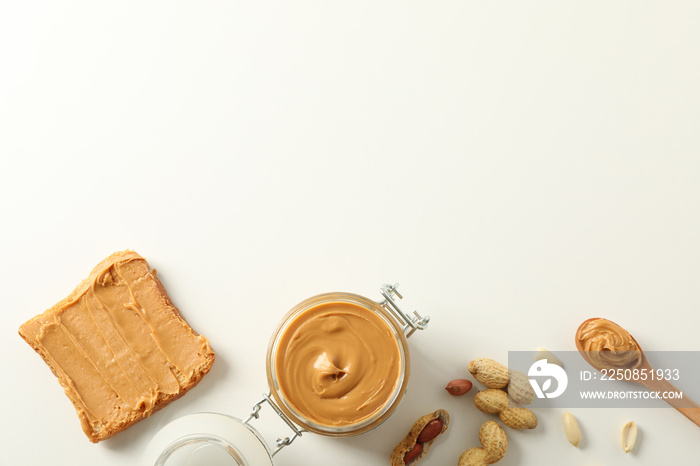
[474, 457]
[489, 372]
[495, 401]
[493, 440]
[493, 446]
[409, 442]
[518, 418]
[519, 388]
[491, 401]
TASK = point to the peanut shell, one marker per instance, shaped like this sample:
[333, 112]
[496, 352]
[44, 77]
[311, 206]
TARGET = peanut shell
[493, 439]
[489, 372]
[493, 446]
[519, 388]
[409, 442]
[518, 418]
[491, 401]
[474, 457]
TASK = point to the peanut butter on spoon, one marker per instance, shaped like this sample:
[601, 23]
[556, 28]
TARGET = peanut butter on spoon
[606, 345]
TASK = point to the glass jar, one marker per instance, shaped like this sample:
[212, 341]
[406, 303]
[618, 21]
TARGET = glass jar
[221, 440]
[299, 316]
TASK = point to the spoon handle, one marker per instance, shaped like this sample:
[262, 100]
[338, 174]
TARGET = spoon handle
[684, 405]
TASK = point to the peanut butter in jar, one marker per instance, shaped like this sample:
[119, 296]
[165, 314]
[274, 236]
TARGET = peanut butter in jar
[338, 364]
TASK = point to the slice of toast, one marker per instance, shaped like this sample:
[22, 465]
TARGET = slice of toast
[118, 346]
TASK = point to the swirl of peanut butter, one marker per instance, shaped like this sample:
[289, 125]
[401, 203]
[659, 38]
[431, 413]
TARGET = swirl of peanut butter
[338, 363]
[608, 345]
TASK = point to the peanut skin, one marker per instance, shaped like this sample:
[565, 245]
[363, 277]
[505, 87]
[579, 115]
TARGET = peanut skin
[458, 387]
[413, 453]
[430, 431]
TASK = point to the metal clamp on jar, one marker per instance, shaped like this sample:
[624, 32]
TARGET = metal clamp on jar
[337, 365]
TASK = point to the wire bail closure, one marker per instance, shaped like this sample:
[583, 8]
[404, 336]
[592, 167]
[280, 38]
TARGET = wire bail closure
[410, 324]
[282, 441]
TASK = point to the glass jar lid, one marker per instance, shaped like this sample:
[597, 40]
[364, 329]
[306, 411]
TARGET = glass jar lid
[207, 438]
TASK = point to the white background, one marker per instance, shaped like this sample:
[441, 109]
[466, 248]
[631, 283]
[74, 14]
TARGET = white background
[517, 167]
